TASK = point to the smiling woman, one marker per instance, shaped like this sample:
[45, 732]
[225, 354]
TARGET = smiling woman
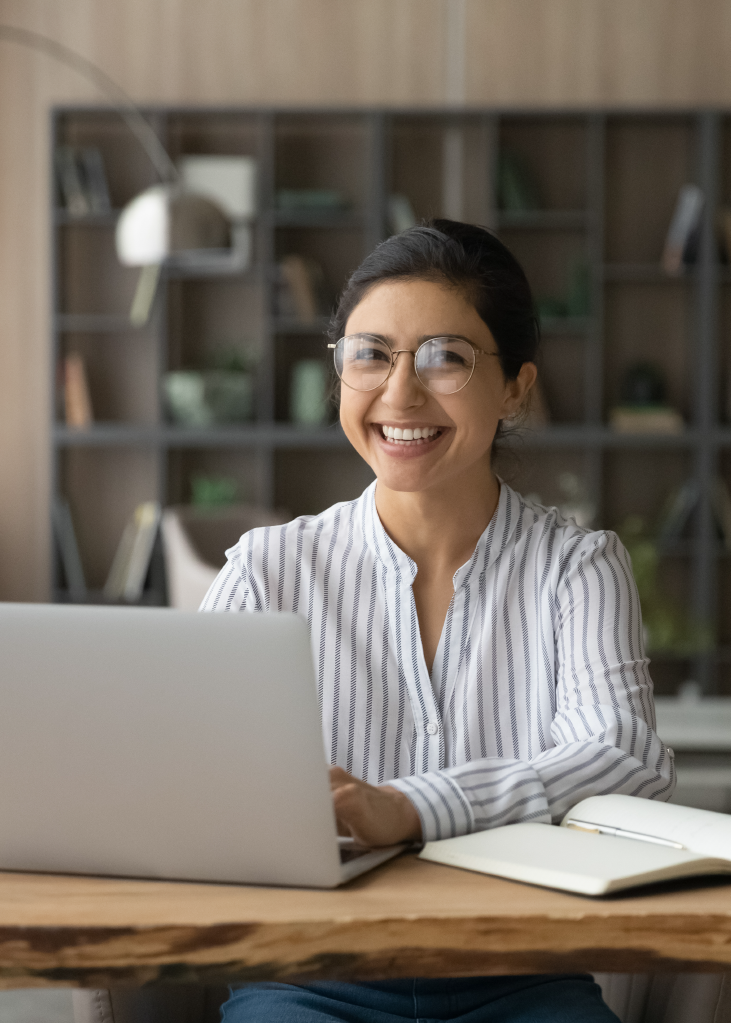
[479, 658]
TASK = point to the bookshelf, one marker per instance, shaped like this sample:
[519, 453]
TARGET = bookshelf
[607, 182]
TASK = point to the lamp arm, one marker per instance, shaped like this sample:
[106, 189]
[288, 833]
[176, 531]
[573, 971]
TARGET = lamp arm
[123, 104]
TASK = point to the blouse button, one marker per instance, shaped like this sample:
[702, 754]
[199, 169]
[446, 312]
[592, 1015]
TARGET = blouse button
[432, 728]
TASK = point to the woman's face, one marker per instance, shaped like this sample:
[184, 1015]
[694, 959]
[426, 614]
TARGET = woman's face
[462, 425]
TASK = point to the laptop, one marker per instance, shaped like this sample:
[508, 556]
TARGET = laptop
[163, 744]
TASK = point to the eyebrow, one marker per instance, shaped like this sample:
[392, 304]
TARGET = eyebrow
[424, 337]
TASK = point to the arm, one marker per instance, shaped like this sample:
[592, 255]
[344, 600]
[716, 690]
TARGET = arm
[603, 724]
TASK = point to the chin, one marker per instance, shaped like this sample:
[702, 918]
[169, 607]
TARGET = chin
[403, 482]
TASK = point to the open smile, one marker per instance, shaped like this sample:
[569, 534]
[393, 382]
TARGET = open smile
[409, 437]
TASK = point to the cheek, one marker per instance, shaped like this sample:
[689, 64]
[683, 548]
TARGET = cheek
[353, 406]
[481, 410]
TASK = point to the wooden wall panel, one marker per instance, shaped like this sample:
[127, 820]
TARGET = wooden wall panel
[325, 52]
[550, 53]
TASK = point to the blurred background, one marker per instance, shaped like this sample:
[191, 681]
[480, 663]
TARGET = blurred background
[164, 381]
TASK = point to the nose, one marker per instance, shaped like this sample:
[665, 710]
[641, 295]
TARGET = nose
[402, 389]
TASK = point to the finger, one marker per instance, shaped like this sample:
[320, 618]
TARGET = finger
[347, 799]
[353, 813]
[340, 777]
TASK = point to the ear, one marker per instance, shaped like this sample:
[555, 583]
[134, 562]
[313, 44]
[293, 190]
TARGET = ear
[516, 391]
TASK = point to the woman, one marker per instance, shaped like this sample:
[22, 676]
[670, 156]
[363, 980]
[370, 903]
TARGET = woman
[479, 659]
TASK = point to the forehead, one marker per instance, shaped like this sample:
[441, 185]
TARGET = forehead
[414, 309]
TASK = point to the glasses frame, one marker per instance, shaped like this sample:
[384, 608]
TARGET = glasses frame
[476, 350]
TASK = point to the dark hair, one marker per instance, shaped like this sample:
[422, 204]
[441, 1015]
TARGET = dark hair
[465, 257]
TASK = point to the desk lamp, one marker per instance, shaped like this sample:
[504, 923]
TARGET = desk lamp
[166, 224]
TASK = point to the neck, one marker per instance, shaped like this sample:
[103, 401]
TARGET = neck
[439, 528]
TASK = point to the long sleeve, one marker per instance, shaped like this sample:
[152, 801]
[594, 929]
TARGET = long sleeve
[602, 732]
[539, 694]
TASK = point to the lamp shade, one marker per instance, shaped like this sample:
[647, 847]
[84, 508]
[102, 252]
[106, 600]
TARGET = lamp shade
[165, 219]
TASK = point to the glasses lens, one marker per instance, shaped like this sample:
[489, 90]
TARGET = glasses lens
[362, 362]
[445, 364]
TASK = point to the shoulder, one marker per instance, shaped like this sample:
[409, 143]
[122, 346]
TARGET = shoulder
[568, 545]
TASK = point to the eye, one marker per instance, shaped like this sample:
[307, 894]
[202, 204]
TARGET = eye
[446, 357]
[443, 354]
[366, 353]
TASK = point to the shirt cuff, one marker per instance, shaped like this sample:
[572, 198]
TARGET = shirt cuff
[442, 806]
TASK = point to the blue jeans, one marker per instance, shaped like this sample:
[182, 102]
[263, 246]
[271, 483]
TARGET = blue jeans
[565, 998]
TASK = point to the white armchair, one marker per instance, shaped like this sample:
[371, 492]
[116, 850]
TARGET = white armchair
[195, 541]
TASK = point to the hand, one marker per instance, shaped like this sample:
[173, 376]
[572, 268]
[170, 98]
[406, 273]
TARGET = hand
[372, 814]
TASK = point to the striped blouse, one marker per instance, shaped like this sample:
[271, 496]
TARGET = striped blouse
[539, 694]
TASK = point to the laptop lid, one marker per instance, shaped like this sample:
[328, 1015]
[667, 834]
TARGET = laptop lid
[165, 744]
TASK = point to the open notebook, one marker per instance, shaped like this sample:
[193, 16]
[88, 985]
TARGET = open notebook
[604, 844]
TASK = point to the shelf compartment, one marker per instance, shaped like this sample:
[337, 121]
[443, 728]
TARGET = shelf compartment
[324, 151]
[105, 487]
[311, 480]
[648, 160]
[554, 153]
[128, 168]
[649, 323]
[213, 317]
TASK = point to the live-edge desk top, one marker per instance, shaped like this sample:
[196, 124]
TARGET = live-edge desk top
[407, 918]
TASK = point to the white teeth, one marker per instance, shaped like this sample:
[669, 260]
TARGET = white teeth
[395, 433]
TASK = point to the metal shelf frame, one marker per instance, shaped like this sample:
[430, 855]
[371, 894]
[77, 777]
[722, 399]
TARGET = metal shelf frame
[705, 439]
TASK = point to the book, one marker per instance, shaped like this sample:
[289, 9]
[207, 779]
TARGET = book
[310, 200]
[680, 505]
[401, 214]
[300, 277]
[517, 188]
[131, 562]
[94, 180]
[68, 548]
[605, 844]
[77, 401]
[147, 520]
[721, 504]
[677, 511]
[646, 419]
[682, 239]
[144, 296]
[70, 182]
[82, 180]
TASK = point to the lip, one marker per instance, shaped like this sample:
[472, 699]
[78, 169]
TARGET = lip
[409, 450]
[409, 424]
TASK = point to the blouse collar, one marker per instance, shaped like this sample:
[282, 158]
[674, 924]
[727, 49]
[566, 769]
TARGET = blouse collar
[491, 544]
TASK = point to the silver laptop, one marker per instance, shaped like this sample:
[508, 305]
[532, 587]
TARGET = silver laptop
[161, 744]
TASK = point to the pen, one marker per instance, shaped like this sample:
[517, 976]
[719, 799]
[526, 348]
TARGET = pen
[604, 829]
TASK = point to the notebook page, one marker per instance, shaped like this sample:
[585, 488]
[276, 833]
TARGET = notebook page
[563, 858]
[702, 831]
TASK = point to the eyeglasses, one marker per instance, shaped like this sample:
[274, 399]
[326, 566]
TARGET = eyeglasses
[444, 365]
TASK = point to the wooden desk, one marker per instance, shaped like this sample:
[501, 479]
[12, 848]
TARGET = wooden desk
[408, 918]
